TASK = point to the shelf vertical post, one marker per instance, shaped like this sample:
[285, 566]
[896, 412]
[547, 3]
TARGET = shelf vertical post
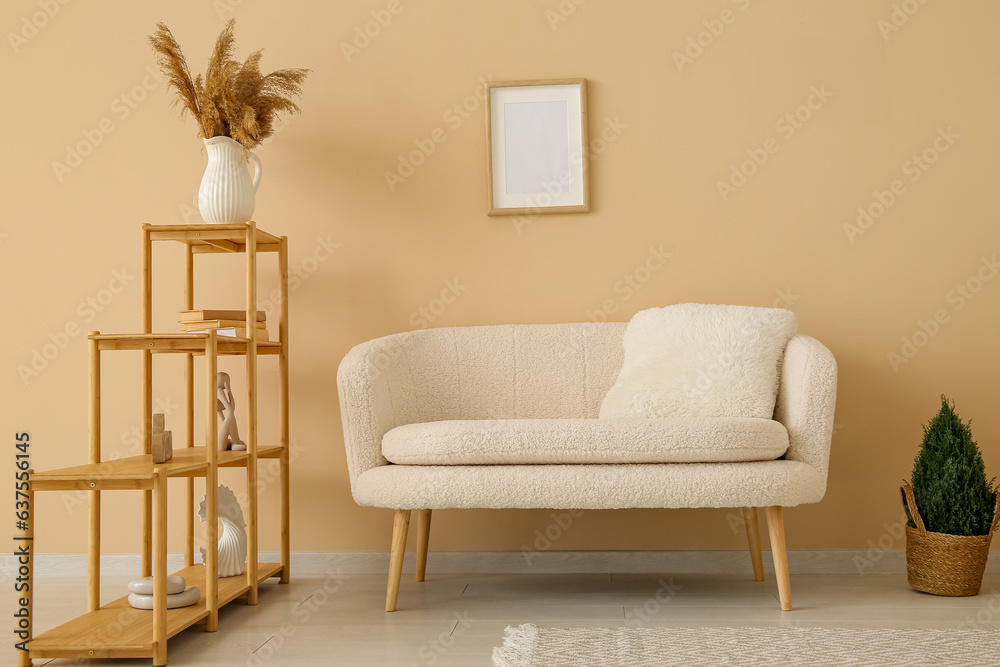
[160, 568]
[94, 423]
[283, 409]
[147, 396]
[188, 411]
[27, 536]
[211, 484]
[251, 247]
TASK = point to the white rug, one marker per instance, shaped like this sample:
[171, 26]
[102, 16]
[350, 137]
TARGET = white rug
[531, 646]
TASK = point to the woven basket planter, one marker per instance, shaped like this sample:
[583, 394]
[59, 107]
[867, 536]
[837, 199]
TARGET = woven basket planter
[944, 564]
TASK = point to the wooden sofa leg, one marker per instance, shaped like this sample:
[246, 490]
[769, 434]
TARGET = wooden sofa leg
[400, 525]
[776, 531]
[753, 537]
[423, 535]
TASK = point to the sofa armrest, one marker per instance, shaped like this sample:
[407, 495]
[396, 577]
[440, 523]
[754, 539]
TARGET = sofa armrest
[807, 396]
[364, 381]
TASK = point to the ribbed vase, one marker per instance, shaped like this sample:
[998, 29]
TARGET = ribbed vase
[227, 194]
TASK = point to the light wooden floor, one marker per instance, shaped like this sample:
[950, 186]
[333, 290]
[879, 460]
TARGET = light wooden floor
[454, 620]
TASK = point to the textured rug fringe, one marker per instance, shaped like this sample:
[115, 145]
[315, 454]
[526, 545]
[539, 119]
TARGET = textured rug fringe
[517, 647]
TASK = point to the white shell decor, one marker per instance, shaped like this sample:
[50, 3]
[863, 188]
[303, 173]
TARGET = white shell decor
[175, 585]
[227, 194]
[185, 599]
[233, 540]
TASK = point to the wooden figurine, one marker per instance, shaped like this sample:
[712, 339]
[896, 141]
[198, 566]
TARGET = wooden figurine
[162, 447]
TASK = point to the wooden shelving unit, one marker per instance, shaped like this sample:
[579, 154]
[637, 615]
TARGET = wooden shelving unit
[116, 630]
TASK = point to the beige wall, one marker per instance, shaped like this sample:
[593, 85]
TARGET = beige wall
[674, 130]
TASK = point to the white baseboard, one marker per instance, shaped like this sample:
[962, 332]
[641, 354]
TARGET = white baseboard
[323, 563]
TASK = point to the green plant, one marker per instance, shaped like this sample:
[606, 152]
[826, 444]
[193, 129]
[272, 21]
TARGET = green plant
[949, 478]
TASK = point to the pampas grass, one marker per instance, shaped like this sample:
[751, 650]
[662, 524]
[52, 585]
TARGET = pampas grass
[232, 99]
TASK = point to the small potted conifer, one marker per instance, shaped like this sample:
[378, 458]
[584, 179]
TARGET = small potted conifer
[952, 510]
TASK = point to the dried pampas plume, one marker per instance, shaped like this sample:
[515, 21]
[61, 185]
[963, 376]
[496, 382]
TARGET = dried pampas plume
[233, 99]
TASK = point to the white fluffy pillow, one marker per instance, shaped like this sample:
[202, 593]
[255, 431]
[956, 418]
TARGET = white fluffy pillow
[697, 360]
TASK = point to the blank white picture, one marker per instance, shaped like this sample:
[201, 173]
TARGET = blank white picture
[536, 138]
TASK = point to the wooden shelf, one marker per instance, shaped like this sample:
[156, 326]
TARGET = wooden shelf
[137, 472]
[213, 238]
[89, 635]
[165, 343]
[116, 630]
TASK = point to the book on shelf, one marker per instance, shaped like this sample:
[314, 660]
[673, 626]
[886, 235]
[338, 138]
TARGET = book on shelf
[234, 332]
[218, 324]
[202, 315]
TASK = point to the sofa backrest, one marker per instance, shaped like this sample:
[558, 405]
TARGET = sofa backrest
[536, 372]
[545, 371]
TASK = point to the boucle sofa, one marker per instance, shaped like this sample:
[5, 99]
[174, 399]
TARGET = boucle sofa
[462, 412]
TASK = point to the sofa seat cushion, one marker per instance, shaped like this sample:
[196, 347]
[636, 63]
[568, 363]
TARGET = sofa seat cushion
[585, 441]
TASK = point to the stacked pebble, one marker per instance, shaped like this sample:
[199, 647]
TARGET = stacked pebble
[178, 594]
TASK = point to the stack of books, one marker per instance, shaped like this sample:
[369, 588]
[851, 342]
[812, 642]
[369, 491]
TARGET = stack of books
[232, 323]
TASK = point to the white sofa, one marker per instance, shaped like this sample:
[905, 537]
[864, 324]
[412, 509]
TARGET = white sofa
[506, 417]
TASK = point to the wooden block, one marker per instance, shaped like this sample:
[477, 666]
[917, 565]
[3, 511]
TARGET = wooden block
[162, 447]
[159, 423]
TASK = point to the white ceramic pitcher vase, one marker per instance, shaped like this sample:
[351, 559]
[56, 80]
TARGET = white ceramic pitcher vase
[226, 195]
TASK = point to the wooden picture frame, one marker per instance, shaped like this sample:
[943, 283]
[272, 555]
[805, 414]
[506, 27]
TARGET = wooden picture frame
[536, 147]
